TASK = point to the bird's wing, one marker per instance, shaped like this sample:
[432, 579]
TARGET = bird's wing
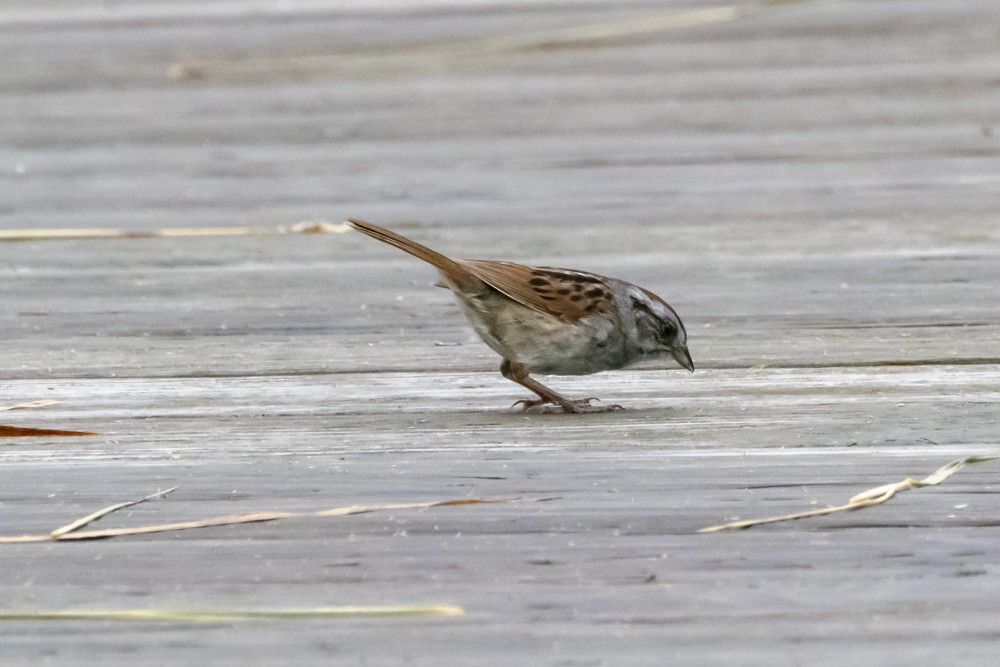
[566, 294]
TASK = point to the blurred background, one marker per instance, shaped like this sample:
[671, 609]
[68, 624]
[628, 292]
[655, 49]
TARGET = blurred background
[821, 114]
[818, 165]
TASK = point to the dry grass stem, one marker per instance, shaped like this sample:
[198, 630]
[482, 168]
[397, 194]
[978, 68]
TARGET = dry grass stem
[304, 227]
[72, 531]
[90, 518]
[212, 615]
[25, 432]
[28, 405]
[876, 496]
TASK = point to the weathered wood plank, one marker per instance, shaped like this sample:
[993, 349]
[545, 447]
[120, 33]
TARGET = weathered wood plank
[812, 185]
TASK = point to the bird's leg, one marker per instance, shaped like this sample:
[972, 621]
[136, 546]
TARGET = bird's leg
[548, 401]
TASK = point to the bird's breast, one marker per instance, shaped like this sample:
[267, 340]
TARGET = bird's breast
[544, 343]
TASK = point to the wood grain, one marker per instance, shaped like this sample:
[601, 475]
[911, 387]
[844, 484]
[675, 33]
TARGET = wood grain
[812, 185]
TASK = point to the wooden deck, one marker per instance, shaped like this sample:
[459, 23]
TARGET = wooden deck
[813, 185]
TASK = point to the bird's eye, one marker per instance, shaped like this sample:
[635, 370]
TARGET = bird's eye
[668, 330]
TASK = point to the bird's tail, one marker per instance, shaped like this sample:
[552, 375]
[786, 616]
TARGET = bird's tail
[453, 270]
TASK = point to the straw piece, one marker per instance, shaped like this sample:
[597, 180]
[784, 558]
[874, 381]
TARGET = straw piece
[304, 227]
[72, 532]
[28, 405]
[90, 518]
[23, 432]
[876, 496]
[212, 615]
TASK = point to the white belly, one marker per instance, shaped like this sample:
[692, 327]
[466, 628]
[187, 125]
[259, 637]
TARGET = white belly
[544, 343]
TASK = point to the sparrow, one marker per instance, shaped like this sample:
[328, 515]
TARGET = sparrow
[552, 321]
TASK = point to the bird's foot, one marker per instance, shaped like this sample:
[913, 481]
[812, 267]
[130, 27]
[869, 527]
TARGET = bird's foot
[541, 406]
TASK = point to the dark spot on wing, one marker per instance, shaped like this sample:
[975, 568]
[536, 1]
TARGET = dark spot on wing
[564, 291]
[568, 276]
[539, 282]
[576, 297]
[595, 293]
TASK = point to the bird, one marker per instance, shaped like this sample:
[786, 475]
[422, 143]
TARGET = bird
[552, 321]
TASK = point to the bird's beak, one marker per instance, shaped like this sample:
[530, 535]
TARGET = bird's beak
[683, 357]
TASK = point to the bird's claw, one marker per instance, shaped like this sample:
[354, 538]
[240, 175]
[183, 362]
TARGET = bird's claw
[540, 406]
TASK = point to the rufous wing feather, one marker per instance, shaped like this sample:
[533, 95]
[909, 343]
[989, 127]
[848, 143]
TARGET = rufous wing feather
[567, 294]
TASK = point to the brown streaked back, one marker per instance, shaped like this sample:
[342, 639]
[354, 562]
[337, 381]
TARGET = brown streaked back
[567, 294]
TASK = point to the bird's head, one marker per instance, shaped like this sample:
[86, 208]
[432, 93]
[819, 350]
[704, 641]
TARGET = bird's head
[660, 330]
